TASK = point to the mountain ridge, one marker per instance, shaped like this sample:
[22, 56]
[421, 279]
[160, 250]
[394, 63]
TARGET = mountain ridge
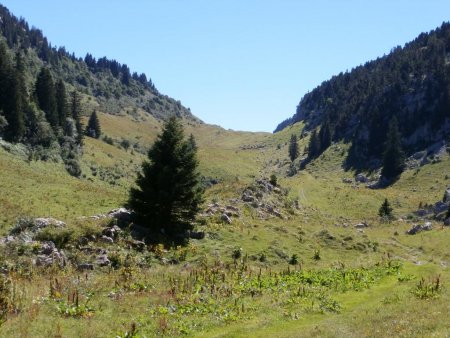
[112, 84]
[411, 83]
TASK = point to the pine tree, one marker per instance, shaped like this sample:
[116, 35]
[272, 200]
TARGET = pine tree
[61, 102]
[45, 95]
[15, 102]
[314, 145]
[293, 147]
[393, 156]
[75, 113]
[168, 195]
[193, 142]
[325, 135]
[93, 127]
[385, 210]
[5, 70]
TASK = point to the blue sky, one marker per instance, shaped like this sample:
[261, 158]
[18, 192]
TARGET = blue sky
[241, 64]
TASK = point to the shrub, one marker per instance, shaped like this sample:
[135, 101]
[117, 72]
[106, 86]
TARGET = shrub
[316, 255]
[427, 290]
[5, 293]
[293, 260]
[273, 180]
[237, 253]
[59, 236]
[73, 167]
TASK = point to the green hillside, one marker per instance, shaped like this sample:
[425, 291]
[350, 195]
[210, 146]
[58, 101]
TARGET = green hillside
[305, 256]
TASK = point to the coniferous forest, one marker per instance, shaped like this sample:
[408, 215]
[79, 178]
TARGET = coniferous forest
[411, 83]
[42, 91]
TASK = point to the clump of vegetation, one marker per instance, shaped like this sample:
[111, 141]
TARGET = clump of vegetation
[236, 254]
[293, 260]
[5, 294]
[427, 290]
[273, 180]
[316, 255]
[57, 235]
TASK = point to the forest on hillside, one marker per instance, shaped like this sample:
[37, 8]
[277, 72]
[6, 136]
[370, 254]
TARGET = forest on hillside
[411, 83]
[45, 92]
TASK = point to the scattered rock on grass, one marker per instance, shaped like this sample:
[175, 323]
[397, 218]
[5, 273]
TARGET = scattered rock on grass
[418, 228]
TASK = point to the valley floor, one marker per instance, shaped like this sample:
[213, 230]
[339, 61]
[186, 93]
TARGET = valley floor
[302, 271]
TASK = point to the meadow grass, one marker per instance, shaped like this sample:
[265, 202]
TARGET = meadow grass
[145, 298]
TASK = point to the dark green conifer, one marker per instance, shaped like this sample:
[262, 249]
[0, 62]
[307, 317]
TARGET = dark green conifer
[314, 145]
[385, 210]
[167, 196]
[61, 102]
[293, 147]
[93, 127]
[15, 102]
[193, 142]
[45, 95]
[75, 112]
[325, 135]
[393, 156]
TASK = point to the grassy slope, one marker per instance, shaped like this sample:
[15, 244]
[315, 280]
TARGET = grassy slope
[40, 189]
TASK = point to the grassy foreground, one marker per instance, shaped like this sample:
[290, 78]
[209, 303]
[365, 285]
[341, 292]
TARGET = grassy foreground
[310, 273]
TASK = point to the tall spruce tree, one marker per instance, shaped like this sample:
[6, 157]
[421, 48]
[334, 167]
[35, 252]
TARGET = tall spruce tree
[325, 135]
[167, 196]
[314, 145]
[5, 70]
[75, 112]
[293, 147]
[61, 102]
[15, 102]
[93, 127]
[393, 155]
[45, 95]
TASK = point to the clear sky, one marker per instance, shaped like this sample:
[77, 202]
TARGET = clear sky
[241, 64]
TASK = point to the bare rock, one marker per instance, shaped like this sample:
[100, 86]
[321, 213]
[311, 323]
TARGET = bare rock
[106, 239]
[440, 207]
[47, 247]
[247, 197]
[112, 232]
[447, 195]
[277, 213]
[232, 208]
[226, 219]
[83, 240]
[361, 225]
[360, 178]
[102, 260]
[121, 214]
[422, 212]
[55, 257]
[137, 245]
[45, 222]
[418, 228]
